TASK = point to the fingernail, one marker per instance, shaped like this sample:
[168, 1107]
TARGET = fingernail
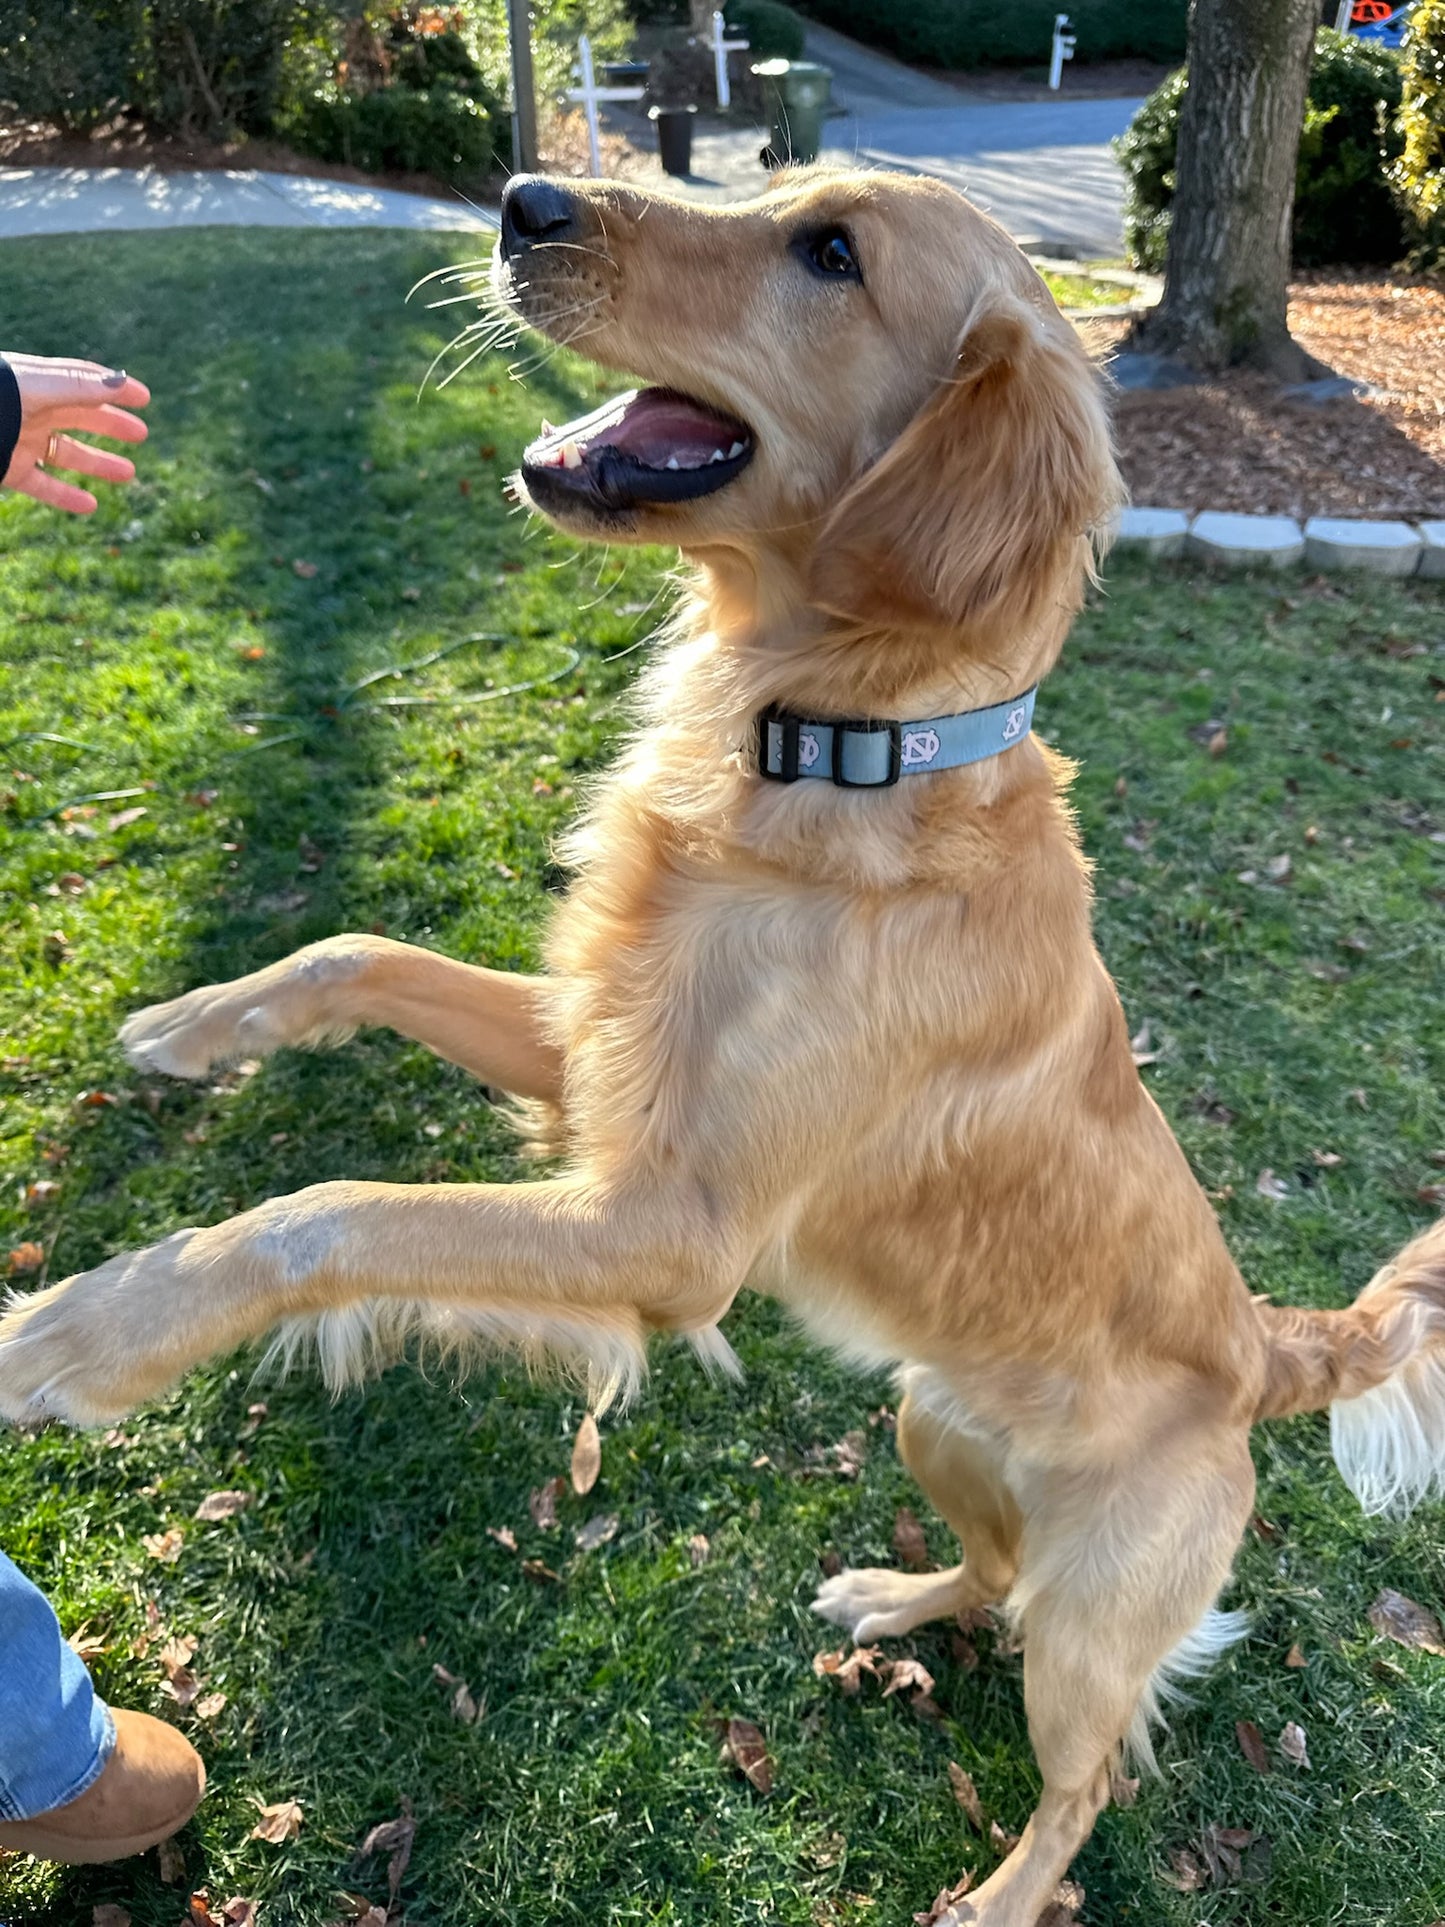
[117, 378]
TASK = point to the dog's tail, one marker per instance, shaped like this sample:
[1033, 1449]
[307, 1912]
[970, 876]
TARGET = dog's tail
[1379, 1366]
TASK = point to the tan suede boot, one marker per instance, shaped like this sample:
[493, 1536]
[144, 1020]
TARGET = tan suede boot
[150, 1786]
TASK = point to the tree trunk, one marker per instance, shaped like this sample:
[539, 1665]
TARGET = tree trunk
[1226, 286]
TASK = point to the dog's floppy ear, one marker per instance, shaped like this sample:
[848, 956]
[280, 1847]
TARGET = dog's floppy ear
[980, 512]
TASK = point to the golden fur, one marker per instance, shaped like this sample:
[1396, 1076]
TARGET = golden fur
[855, 1049]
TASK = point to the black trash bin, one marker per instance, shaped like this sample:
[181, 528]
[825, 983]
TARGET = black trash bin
[674, 137]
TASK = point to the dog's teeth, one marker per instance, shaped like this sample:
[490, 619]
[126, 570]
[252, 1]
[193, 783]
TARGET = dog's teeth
[673, 462]
[547, 428]
[571, 455]
[717, 456]
[735, 451]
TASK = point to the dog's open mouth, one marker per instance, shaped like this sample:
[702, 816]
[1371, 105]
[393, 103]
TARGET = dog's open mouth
[649, 446]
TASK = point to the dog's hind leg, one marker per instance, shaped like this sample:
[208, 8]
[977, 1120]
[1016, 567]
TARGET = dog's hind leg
[491, 1022]
[963, 1481]
[1118, 1576]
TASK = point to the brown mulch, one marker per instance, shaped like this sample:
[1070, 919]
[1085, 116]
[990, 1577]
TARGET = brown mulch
[1235, 443]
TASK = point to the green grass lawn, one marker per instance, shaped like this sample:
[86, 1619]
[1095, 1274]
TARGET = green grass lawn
[175, 647]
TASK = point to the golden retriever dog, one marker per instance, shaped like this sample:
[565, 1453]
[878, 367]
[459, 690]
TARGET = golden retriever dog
[822, 1014]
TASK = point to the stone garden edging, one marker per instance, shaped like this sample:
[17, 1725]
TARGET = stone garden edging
[1277, 541]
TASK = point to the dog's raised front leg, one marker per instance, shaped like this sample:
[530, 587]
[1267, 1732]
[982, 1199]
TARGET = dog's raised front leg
[556, 1266]
[491, 1022]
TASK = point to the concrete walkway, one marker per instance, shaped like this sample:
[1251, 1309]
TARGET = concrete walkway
[71, 200]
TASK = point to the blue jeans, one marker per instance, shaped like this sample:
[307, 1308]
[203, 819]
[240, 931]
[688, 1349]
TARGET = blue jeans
[55, 1734]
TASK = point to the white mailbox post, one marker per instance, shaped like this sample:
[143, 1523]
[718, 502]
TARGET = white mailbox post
[589, 93]
[721, 47]
[1063, 49]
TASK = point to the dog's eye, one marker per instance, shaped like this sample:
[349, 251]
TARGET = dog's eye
[832, 253]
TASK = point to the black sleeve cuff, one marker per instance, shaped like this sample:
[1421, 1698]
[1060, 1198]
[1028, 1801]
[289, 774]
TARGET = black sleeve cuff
[10, 414]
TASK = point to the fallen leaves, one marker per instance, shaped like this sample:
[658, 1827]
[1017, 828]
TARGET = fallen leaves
[464, 1707]
[235, 1912]
[1293, 1744]
[504, 1536]
[1271, 1187]
[394, 1837]
[699, 1549]
[165, 1546]
[745, 1748]
[172, 1863]
[277, 1823]
[1400, 1619]
[1251, 1745]
[906, 1673]
[1295, 1657]
[586, 1456]
[180, 1683]
[542, 1503]
[909, 1542]
[306, 570]
[598, 1531]
[966, 1794]
[223, 1505]
[26, 1257]
[944, 1900]
[848, 1670]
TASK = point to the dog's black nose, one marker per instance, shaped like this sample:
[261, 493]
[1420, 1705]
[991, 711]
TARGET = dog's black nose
[534, 209]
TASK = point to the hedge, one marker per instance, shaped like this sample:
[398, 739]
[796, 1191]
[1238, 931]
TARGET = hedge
[982, 33]
[1344, 213]
[1417, 174]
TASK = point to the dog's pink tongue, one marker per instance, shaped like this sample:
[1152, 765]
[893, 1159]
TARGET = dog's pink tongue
[665, 430]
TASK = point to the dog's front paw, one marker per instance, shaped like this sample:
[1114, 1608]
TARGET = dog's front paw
[91, 1349]
[192, 1035]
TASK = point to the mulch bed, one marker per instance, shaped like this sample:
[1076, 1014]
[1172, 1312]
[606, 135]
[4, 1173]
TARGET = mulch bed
[1236, 443]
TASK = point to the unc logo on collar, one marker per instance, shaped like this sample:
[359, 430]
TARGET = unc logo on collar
[919, 746]
[807, 749]
[1015, 722]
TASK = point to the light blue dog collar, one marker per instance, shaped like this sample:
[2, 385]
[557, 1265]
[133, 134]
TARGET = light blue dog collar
[872, 755]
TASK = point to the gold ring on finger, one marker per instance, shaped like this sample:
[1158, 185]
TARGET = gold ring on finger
[52, 449]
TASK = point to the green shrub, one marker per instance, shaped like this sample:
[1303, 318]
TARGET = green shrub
[64, 61]
[982, 33]
[556, 25]
[1417, 175]
[772, 31]
[409, 130]
[213, 68]
[1343, 211]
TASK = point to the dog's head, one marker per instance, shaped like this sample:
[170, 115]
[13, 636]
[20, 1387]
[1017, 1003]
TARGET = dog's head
[858, 371]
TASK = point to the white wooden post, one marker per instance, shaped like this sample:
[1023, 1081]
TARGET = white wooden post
[1343, 17]
[721, 47]
[1063, 49]
[589, 93]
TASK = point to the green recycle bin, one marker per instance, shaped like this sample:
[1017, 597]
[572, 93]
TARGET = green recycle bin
[797, 93]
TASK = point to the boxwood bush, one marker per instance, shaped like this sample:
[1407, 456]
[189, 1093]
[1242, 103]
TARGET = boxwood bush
[1417, 173]
[981, 33]
[1344, 213]
[772, 31]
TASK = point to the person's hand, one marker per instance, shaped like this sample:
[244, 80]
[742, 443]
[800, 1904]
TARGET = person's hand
[56, 395]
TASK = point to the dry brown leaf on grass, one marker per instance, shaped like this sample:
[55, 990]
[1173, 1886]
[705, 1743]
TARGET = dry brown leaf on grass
[745, 1748]
[108, 1914]
[1271, 1187]
[1122, 1790]
[966, 1794]
[1293, 1744]
[1063, 1909]
[904, 1674]
[598, 1531]
[278, 1823]
[165, 1546]
[223, 1505]
[180, 1683]
[1400, 1619]
[1295, 1657]
[173, 1863]
[210, 1706]
[538, 1569]
[586, 1455]
[542, 1503]
[86, 1645]
[1187, 1873]
[235, 1912]
[945, 1899]
[699, 1548]
[394, 1837]
[909, 1542]
[504, 1536]
[848, 1669]
[28, 1256]
[1002, 1838]
[464, 1707]
[1251, 1745]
